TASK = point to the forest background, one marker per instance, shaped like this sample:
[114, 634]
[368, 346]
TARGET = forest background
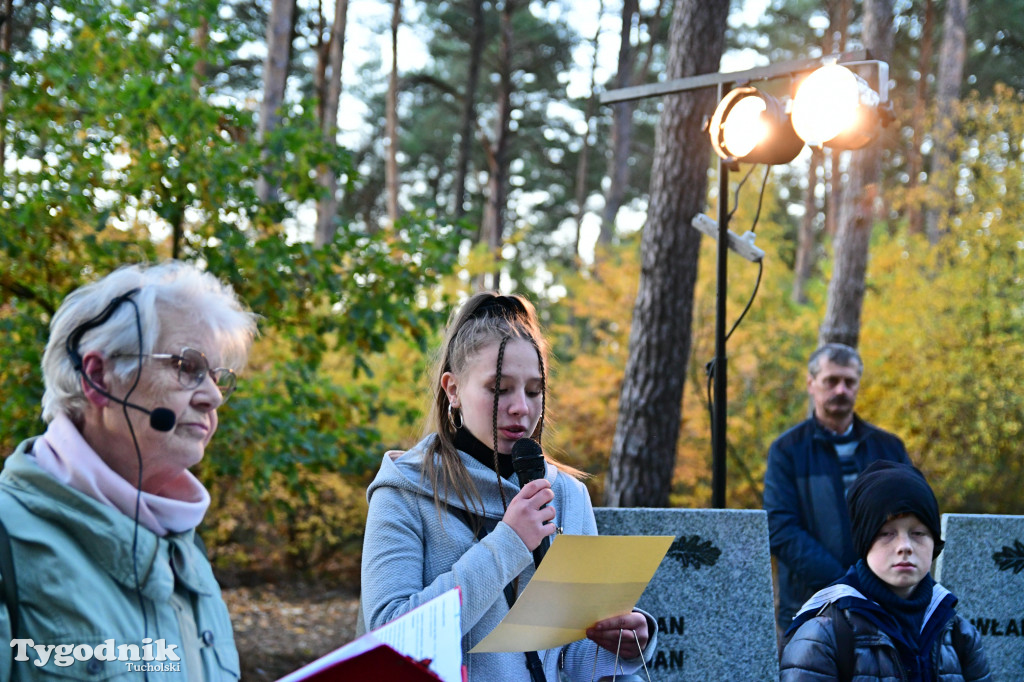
[208, 130]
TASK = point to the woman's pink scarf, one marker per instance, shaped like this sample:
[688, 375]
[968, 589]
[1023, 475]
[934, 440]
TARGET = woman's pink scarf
[63, 453]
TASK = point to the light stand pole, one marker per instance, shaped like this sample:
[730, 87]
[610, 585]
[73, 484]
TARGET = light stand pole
[718, 442]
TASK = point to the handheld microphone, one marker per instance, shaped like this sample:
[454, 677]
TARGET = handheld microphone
[528, 463]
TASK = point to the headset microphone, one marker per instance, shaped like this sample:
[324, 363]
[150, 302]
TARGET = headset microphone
[160, 419]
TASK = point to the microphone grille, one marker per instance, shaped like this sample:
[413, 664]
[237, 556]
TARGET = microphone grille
[526, 447]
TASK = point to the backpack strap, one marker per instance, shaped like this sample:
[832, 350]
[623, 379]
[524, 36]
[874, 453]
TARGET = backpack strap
[9, 579]
[483, 526]
[845, 644]
[961, 643]
[843, 632]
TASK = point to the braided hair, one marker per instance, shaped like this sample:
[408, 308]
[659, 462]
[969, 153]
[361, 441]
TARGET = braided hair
[494, 415]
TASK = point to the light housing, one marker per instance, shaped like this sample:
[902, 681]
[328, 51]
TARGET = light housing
[834, 107]
[750, 126]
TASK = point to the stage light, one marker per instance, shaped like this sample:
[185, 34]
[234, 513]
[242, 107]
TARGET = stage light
[834, 107]
[750, 126]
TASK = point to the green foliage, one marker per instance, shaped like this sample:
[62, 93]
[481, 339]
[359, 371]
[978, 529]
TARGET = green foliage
[544, 145]
[353, 297]
[995, 45]
[313, 528]
[119, 152]
[788, 29]
[589, 332]
[431, 111]
[950, 321]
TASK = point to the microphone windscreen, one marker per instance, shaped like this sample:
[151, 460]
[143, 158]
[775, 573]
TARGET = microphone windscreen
[526, 447]
[162, 419]
[527, 460]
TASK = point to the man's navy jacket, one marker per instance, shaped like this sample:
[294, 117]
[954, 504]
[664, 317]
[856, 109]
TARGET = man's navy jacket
[808, 523]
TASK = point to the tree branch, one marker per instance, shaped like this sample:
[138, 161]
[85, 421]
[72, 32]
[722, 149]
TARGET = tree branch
[21, 291]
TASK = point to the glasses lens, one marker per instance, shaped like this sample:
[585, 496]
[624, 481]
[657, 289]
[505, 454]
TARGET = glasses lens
[226, 380]
[192, 368]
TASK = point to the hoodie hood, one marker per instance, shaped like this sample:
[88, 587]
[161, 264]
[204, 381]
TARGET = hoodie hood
[404, 471]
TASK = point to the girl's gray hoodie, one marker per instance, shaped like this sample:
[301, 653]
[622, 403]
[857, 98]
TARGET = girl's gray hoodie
[411, 554]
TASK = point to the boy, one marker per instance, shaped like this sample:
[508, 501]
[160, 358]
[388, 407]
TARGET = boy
[886, 619]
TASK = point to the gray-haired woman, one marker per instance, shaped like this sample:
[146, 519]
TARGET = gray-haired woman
[101, 509]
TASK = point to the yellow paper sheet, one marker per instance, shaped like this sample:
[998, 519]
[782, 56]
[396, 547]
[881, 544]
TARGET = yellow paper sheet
[582, 579]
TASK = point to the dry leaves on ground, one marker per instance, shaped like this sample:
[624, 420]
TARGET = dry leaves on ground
[281, 628]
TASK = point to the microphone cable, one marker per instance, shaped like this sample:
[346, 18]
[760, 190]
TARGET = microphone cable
[138, 486]
[71, 345]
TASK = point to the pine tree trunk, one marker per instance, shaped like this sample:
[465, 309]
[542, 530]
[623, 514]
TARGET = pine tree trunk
[644, 447]
[834, 198]
[327, 205]
[857, 210]
[915, 208]
[275, 75]
[391, 164]
[583, 162]
[622, 128]
[201, 69]
[805, 240]
[493, 227]
[838, 17]
[476, 51]
[952, 54]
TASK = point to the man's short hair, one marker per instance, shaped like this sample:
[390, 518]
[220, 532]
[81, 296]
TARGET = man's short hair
[836, 353]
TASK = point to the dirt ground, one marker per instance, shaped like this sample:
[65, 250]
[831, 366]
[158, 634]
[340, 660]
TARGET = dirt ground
[281, 628]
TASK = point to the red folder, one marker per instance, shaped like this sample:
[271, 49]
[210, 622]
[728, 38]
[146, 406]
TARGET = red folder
[380, 664]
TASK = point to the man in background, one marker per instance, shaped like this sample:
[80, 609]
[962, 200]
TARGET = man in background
[810, 468]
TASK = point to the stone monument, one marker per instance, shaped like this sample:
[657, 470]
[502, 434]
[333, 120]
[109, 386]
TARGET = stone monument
[983, 564]
[711, 595]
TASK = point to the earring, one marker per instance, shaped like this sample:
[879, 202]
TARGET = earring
[452, 415]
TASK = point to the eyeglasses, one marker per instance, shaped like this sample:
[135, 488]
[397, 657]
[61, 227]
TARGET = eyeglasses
[193, 368]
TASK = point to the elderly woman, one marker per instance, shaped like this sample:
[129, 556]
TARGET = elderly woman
[101, 509]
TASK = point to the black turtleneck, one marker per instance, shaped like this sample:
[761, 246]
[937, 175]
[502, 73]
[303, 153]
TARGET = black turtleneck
[468, 443]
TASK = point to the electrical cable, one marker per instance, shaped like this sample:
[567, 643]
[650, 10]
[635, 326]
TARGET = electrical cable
[709, 368]
[760, 263]
[736, 194]
[760, 198]
[750, 301]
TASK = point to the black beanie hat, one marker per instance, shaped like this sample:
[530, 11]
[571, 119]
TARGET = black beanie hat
[887, 489]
